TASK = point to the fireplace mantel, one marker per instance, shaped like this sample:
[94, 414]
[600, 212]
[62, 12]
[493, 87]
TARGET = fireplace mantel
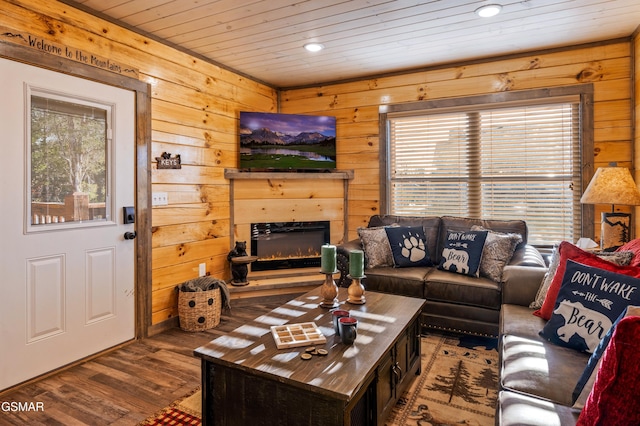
[258, 197]
[334, 174]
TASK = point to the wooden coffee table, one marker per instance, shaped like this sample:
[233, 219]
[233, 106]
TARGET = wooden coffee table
[246, 380]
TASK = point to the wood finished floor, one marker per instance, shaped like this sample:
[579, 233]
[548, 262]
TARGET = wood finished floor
[129, 384]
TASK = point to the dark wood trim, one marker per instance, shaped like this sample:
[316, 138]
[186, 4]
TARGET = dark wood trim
[383, 150]
[491, 98]
[586, 151]
[143, 154]
[232, 174]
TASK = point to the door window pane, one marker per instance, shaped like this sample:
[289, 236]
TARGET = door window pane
[68, 162]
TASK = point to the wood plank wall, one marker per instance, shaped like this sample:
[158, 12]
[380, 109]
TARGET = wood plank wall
[355, 104]
[195, 109]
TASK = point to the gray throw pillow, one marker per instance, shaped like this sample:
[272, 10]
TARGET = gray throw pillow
[498, 251]
[375, 243]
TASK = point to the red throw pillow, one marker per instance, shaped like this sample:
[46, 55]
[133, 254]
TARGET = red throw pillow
[634, 246]
[568, 251]
[613, 401]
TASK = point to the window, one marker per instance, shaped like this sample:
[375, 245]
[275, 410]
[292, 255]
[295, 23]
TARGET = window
[68, 155]
[518, 159]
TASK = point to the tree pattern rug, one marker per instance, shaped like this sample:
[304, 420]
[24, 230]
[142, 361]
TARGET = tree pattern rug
[458, 385]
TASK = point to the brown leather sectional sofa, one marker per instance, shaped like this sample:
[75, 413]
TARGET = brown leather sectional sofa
[455, 302]
[537, 378]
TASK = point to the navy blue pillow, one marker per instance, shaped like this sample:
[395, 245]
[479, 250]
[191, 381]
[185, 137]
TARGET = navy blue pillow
[462, 252]
[589, 301]
[408, 246]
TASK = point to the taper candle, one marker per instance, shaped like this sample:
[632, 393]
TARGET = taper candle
[356, 264]
[328, 259]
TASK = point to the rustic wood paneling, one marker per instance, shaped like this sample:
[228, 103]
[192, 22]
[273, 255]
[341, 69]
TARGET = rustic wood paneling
[194, 112]
[264, 38]
[195, 107]
[355, 104]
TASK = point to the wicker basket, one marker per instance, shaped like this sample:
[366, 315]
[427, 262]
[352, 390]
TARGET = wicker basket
[199, 310]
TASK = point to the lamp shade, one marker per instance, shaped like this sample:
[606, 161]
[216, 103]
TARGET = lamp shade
[612, 185]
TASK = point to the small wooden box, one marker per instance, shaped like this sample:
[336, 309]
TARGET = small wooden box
[294, 335]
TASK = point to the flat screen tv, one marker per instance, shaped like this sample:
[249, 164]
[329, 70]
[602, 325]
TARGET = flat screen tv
[287, 142]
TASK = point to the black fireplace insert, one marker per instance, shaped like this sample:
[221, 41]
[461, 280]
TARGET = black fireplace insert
[285, 245]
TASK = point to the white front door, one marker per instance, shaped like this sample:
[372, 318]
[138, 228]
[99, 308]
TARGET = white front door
[67, 170]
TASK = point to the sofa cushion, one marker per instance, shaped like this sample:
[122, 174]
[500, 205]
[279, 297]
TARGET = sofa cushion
[515, 409]
[375, 244]
[516, 320]
[498, 251]
[614, 398]
[443, 286]
[408, 246]
[462, 252]
[588, 303]
[569, 251]
[536, 367]
[403, 281]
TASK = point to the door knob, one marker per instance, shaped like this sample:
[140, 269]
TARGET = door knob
[129, 235]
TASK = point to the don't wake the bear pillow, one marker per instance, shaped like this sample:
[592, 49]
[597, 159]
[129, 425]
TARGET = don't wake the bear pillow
[462, 252]
[589, 302]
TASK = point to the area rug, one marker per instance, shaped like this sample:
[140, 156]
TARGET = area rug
[186, 411]
[458, 385]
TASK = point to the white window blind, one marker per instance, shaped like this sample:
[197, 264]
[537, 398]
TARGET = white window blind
[517, 162]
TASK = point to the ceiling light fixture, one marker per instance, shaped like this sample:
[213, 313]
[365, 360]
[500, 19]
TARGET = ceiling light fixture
[489, 10]
[314, 47]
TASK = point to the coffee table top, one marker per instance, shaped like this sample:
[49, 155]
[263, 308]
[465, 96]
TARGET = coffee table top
[339, 374]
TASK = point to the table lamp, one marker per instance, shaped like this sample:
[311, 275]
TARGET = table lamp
[613, 185]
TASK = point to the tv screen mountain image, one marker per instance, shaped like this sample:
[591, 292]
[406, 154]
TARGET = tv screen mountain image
[286, 142]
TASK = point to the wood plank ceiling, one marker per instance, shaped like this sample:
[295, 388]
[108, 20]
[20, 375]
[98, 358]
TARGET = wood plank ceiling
[264, 38]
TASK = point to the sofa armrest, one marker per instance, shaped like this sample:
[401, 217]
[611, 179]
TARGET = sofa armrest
[521, 283]
[342, 260]
[527, 255]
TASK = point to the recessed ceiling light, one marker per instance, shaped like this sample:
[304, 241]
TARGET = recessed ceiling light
[314, 47]
[488, 10]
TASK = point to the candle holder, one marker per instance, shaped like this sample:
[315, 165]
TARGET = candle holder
[356, 291]
[329, 291]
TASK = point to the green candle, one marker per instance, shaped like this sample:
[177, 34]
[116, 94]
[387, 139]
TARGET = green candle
[328, 259]
[356, 264]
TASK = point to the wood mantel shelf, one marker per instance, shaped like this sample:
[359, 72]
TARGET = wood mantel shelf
[333, 174]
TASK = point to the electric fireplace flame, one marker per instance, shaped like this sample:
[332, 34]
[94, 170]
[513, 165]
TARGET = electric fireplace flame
[284, 245]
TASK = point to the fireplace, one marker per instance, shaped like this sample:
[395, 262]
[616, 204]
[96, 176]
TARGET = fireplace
[285, 245]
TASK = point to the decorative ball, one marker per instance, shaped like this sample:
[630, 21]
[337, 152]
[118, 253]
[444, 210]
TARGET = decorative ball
[210, 301]
[192, 304]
